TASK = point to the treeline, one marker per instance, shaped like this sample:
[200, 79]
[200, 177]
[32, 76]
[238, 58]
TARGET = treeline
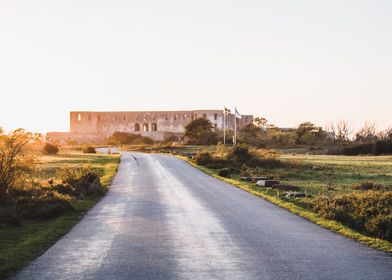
[336, 140]
[367, 141]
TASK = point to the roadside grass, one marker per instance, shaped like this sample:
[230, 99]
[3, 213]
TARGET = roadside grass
[294, 205]
[319, 174]
[21, 244]
[322, 173]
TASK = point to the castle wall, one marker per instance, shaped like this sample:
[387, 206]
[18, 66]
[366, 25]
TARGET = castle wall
[159, 125]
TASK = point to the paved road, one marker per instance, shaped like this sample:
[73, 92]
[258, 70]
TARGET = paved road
[163, 219]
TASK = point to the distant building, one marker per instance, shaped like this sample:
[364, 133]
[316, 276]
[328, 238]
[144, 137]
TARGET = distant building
[95, 127]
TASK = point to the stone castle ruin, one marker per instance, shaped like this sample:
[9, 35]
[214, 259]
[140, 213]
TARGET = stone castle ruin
[96, 127]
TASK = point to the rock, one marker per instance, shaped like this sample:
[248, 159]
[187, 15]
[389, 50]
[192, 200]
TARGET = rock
[267, 183]
[253, 178]
[285, 187]
[295, 194]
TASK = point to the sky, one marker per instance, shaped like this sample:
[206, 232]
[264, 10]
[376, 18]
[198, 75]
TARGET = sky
[288, 61]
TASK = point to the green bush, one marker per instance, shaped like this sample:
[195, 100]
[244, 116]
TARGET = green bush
[143, 140]
[81, 181]
[122, 138]
[246, 171]
[49, 205]
[237, 157]
[225, 172]
[240, 154]
[203, 158]
[171, 139]
[35, 201]
[369, 185]
[369, 212]
[88, 150]
[50, 149]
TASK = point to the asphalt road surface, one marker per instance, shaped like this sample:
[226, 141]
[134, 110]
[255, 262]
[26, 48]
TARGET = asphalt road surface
[163, 219]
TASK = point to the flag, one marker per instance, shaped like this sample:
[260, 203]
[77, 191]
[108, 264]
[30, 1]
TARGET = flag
[237, 114]
[226, 111]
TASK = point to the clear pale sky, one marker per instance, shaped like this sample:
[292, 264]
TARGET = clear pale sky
[289, 61]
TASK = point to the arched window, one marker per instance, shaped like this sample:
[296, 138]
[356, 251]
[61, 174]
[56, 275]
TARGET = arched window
[137, 127]
[145, 127]
[154, 127]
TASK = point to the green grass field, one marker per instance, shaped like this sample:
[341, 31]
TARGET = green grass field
[21, 244]
[318, 173]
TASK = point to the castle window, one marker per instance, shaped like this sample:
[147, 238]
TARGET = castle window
[125, 117]
[99, 117]
[215, 116]
[137, 117]
[184, 117]
[145, 127]
[154, 127]
[205, 116]
[167, 117]
[89, 117]
[79, 117]
[137, 127]
[175, 117]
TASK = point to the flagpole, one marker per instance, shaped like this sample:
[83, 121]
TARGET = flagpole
[235, 126]
[224, 127]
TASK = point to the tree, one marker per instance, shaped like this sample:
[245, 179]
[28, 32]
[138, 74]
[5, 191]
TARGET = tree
[342, 130]
[200, 132]
[305, 132]
[367, 134]
[13, 162]
[261, 123]
[252, 135]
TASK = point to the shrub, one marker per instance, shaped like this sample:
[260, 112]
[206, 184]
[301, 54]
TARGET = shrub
[80, 180]
[13, 162]
[50, 149]
[128, 138]
[240, 154]
[369, 185]
[203, 158]
[171, 139]
[88, 150]
[246, 171]
[143, 140]
[237, 157]
[369, 211]
[225, 172]
[48, 205]
[90, 183]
